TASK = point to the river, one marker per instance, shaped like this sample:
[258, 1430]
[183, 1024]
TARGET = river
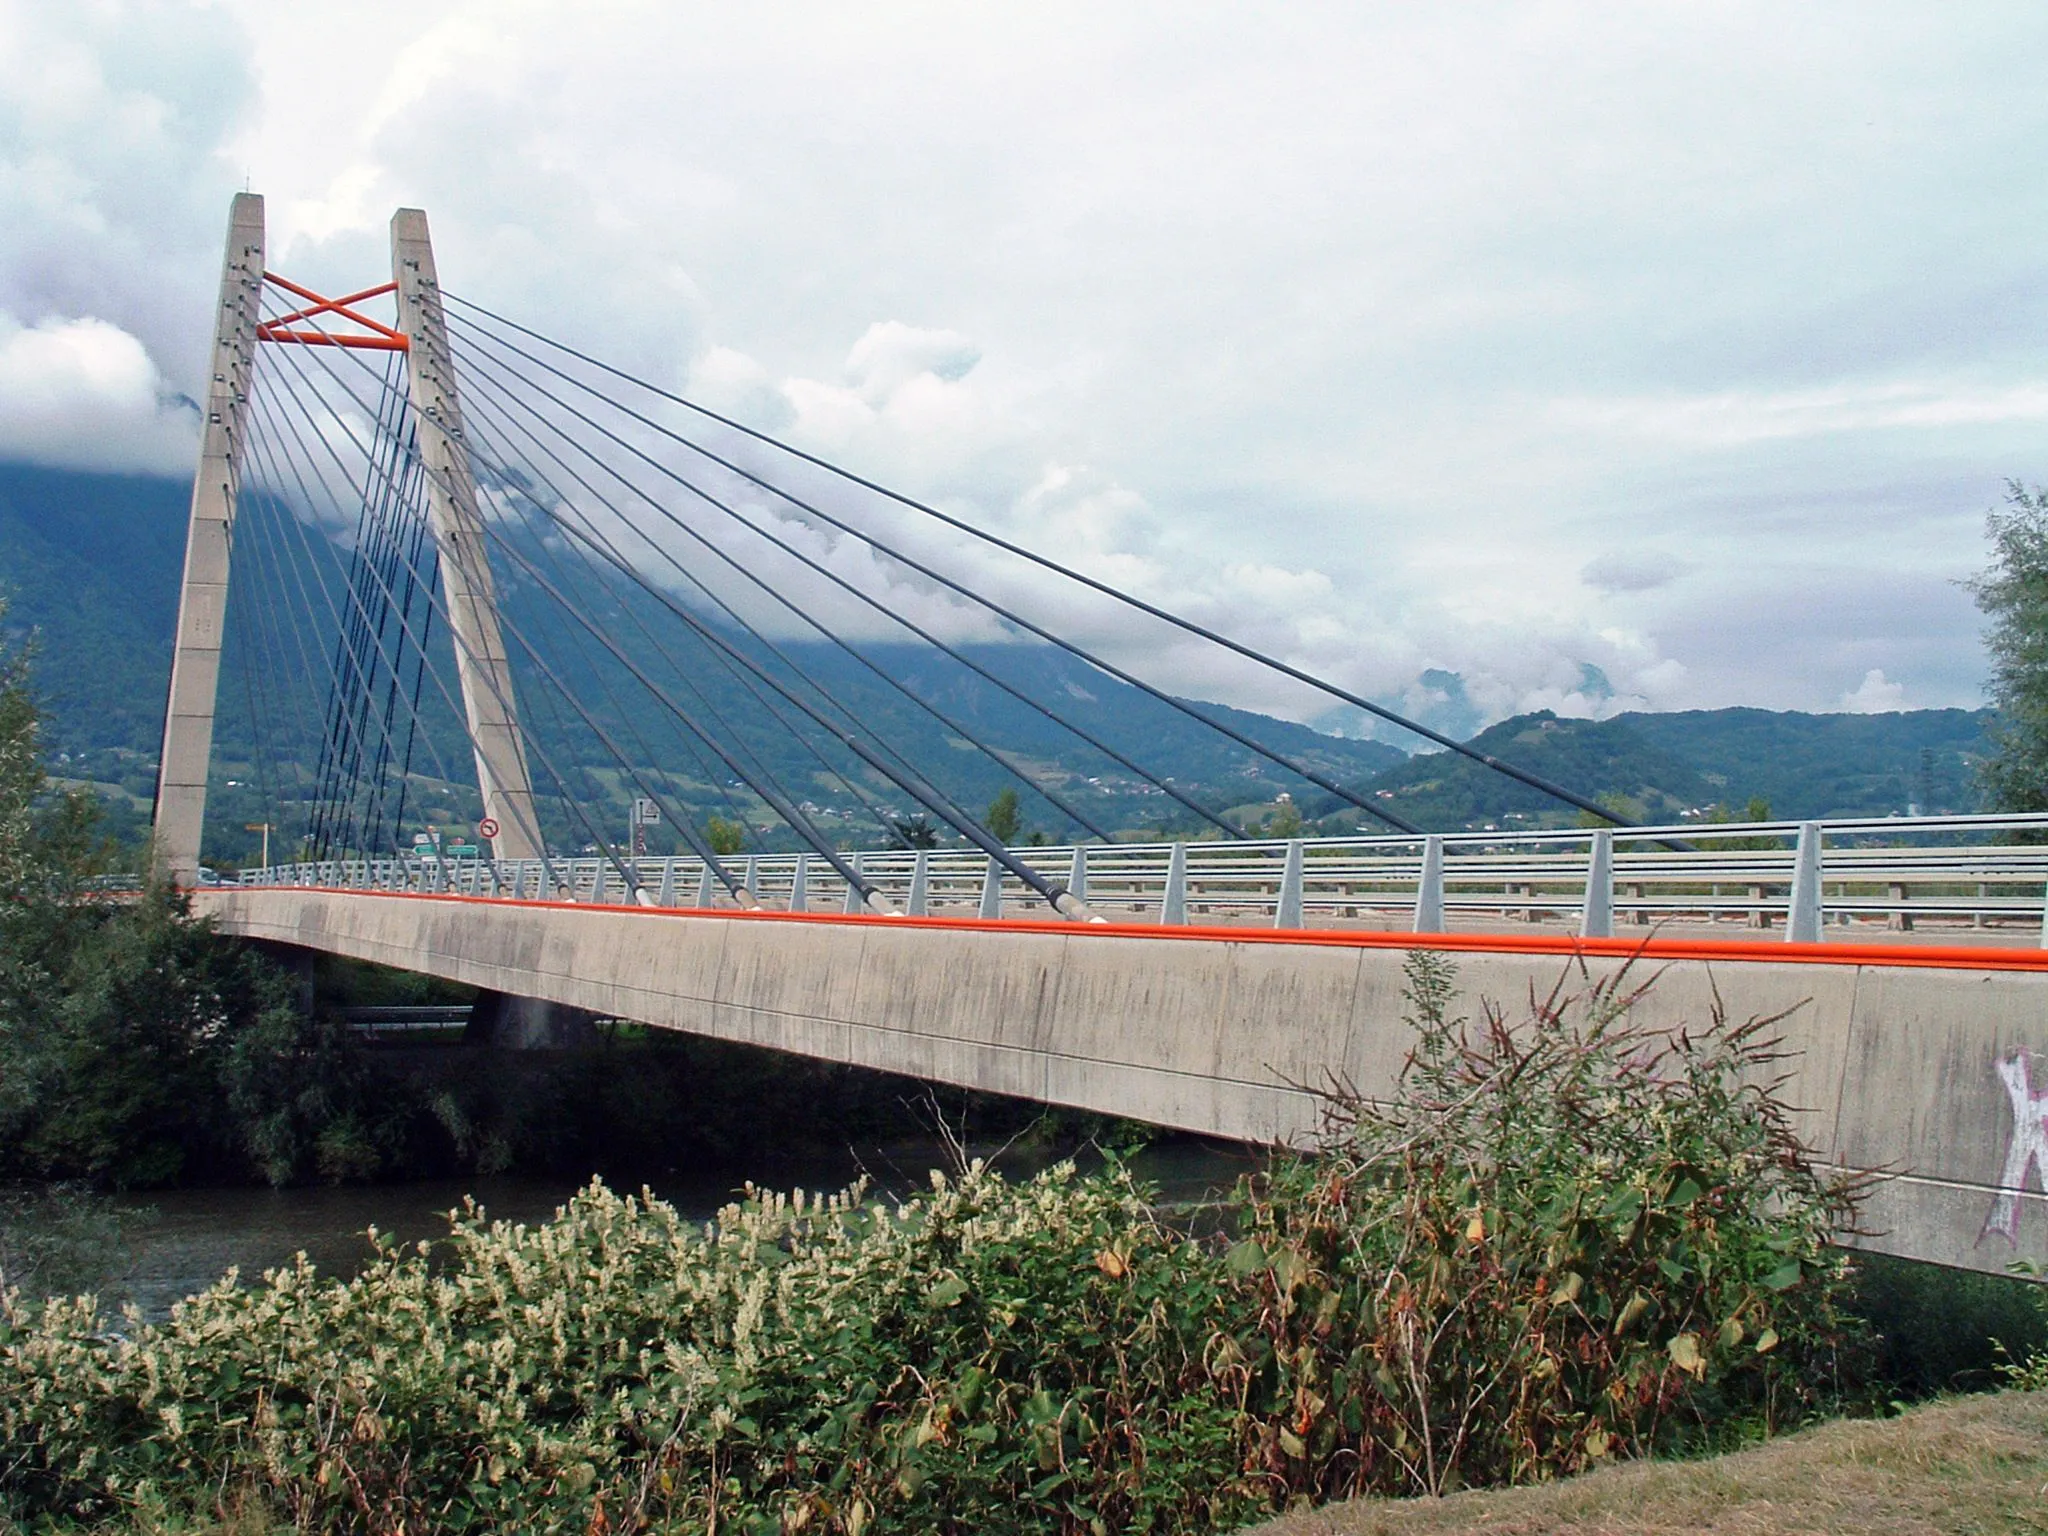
[182, 1241]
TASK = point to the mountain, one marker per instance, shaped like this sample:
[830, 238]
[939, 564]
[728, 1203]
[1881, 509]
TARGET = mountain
[90, 565]
[1661, 766]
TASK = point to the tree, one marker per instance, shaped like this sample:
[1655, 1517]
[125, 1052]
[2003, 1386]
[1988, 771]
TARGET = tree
[917, 832]
[724, 838]
[2013, 596]
[1004, 818]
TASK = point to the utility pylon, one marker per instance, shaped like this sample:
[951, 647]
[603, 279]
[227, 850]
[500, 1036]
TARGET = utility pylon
[481, 666]
[209, 538]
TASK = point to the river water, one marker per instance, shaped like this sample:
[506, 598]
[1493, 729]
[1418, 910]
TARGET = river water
[184, 1240]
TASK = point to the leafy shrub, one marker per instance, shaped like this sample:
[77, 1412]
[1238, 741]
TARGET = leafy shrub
[1568, 1239]
[989, 1357]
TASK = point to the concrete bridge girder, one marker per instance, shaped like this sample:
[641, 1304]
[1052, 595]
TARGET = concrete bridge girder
[1921, 1076]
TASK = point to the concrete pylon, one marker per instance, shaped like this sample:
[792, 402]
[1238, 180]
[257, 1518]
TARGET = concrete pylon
[481, 666]
[209, 535]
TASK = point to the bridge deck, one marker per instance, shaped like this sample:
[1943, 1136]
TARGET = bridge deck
[1913, 1059]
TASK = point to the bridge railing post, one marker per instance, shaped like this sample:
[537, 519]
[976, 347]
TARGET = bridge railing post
[799, 885]
[853, 901]
[1077, 876]
[666, 897]
[992, 890]
[920, 903]
[1173, 900]
[1287, 910]
[1429, 888]
[1598, 921]
[1802, 917]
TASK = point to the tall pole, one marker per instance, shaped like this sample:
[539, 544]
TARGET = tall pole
[481, 666]
[209, 534]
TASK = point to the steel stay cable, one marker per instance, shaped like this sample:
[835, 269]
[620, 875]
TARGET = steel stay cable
[546, 762]
[1534, 781]
[264, 409]
[344, 749]
[883, 823]
[1182, 706]
[889, 830]
[999, 758]
[1165, 785]
[905, 778]
[263, 657]
[460, 715]
[286, 515]
[702, 850]
[270, 594]
[1057, 895]
[483, 417]
[914, 785]
[532, 823]
[391, 419]
[306, 547]
[318, 808]
[681, 676]
[780, 804]
[688, 832]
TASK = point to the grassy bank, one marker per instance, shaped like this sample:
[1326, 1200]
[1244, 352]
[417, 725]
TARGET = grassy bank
[1973, 1464]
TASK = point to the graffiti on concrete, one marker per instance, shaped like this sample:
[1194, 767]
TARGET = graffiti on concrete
[2026, 1153]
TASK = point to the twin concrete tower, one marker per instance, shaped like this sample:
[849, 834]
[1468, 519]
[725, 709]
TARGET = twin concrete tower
[510, 825]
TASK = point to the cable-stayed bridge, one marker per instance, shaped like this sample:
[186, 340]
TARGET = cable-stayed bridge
[650, 659]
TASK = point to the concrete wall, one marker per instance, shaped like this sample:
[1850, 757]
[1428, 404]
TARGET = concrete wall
[1926, 1076]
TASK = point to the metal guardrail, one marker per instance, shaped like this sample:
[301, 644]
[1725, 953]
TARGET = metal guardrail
[407, 1019]
[1802, 876]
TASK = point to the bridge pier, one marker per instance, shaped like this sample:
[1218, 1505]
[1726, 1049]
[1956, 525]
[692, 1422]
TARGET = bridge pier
[296, 961]
[512, 1023]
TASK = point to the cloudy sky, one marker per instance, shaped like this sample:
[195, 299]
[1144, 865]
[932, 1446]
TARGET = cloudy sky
[1691, 342]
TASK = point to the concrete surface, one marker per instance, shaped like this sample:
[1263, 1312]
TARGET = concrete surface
[1923, 1077]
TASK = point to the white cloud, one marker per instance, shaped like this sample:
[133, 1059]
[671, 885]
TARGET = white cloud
[1671, 343]
[1632, 570]
[83, 394]
[1875, 695]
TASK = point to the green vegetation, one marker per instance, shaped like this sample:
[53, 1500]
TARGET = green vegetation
[1663, 766]
[2013, 595]
[724, 838]
[1567, 1241]
[1004, 817]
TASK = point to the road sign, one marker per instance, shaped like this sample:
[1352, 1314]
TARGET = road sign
[487, 828]
[646, 813]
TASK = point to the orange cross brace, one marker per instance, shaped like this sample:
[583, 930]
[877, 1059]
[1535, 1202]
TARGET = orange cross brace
[384, 339]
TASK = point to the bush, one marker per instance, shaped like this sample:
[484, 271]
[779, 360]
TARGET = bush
[1565, 1241]
[989, 1357]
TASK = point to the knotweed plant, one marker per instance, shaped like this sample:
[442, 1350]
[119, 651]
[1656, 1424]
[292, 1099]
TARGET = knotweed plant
[1569, 1236]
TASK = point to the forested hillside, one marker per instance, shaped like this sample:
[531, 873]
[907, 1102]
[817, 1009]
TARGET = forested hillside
[1661, 766]
[90, 565]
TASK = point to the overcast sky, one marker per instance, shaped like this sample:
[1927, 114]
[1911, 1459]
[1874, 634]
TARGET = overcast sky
[1691, 342]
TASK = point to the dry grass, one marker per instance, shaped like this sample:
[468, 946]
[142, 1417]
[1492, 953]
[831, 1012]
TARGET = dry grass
[1960, 1467]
